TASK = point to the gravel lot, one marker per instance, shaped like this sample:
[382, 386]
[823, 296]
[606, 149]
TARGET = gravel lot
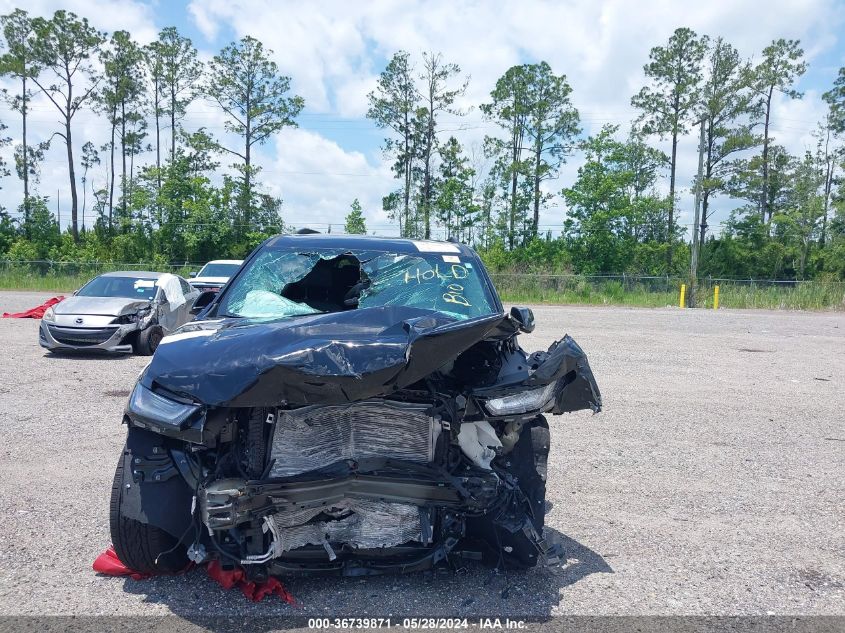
[713, 482]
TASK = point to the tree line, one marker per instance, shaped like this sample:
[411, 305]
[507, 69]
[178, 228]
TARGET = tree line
[618, 217]
[167, 211]
[621, 208]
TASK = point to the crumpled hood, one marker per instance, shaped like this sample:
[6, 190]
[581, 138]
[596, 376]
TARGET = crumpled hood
[106, 306]
[325, 358]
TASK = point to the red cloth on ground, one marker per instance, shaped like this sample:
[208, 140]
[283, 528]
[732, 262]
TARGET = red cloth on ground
[255, 591]
[34, 313]
[109, 564]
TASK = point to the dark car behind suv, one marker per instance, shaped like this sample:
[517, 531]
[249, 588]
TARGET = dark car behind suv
[346, 404]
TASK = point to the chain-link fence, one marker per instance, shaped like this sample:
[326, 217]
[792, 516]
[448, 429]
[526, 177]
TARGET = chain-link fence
[67, 276]
[48, 267]
[664, 290]
[768, 293]
[639, 290]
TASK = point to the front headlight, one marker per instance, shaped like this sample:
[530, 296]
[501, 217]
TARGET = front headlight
[134, 317]
[125, 319]
[49, 315]
[155, 408]
[531, 400]
[145, 315]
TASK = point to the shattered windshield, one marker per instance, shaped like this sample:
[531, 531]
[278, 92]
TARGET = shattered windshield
[284, 283]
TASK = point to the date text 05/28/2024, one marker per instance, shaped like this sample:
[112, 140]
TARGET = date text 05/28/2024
[417, 623]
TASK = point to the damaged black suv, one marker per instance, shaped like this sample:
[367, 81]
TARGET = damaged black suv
[345, 404]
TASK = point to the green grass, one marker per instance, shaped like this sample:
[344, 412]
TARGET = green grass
[48, 283]
[61, 279]
[802, 296]
[525, 288]
[532, 290]
[660, 292]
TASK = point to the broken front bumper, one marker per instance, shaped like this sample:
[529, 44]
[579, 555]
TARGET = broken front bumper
[227, 502]
[417, 518]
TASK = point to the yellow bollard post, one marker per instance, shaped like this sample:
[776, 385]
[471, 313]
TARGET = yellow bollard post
[682, 303]
[716, 298]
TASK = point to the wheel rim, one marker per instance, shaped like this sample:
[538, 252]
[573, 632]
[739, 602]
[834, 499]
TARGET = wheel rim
[155, 339]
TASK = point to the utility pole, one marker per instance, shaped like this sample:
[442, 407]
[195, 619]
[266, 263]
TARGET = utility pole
[696, 244]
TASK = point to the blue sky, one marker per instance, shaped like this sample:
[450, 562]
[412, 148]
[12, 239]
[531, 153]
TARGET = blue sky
[334, 50]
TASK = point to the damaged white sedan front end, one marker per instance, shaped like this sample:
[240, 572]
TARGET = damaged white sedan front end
[118, 312]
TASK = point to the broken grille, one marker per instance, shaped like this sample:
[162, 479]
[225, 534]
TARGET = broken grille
[81, 336]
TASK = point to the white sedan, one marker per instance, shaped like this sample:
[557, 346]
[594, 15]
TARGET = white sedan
[119, 312]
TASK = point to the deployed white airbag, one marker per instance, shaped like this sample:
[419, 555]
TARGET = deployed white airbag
[172, 290]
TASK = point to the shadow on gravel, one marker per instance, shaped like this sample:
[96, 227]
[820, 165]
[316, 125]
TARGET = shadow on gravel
[581, 560]
[471, 592]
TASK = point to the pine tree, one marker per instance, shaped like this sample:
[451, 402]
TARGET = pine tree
[779, 69]
[64, 46]
[728, 108]
[355, 224]
[393, 105]
[248, 88]
[437, 97]
[668, 102]
[19, 62]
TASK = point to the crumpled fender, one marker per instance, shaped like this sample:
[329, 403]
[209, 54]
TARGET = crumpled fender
[165, 504]
[564, 363]
[566, 360]
[326, 358]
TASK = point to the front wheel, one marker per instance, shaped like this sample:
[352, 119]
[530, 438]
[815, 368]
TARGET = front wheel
[139, 546]
[148, 340]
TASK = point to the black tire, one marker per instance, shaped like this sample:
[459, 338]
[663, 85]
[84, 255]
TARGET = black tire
[137, 544]
[148, 340]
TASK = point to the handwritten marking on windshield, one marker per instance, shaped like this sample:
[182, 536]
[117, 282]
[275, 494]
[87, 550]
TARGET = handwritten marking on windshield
[454, 295]
[455, 271]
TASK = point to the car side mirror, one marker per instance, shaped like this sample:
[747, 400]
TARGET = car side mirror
[75, 292]
[203, 301]
[524, 318]
[192, 274]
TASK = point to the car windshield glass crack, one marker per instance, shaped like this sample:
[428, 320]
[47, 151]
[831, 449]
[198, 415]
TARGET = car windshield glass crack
[283, 284]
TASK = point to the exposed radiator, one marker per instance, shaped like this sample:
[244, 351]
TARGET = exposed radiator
[317, 436]
[359, 523]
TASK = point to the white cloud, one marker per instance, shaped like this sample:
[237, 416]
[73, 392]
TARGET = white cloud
[319, 180]
[107, 15]
[207, 25]
[334, 51]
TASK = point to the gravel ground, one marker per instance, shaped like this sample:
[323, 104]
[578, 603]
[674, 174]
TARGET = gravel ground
[711, 484]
